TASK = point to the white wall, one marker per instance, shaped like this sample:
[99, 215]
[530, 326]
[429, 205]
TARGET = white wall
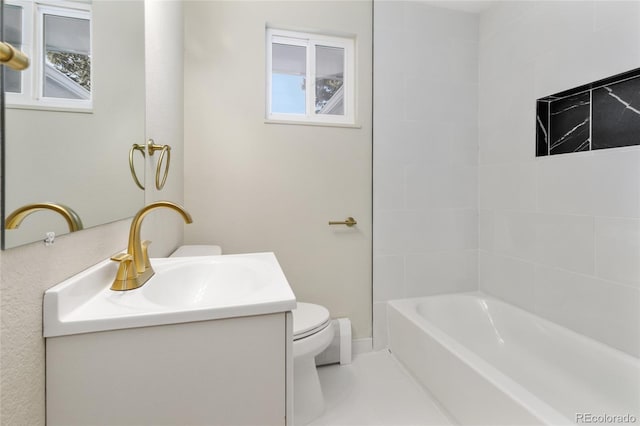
[272, 187]
[27, 271]
[425, 153]
[164, 34]
[559, 236]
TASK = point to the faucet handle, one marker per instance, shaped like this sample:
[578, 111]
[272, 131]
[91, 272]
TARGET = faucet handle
[122, 257]
[126, 275]
[145, 254]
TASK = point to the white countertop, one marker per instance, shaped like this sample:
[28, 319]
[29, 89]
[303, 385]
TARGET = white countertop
[85, 303]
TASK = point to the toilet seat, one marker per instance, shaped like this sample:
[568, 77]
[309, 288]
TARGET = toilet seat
[309, 319]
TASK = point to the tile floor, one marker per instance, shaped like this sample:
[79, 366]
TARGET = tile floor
[375, 390]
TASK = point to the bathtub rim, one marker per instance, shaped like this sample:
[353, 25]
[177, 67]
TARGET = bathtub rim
[537, 407]
[625, 356]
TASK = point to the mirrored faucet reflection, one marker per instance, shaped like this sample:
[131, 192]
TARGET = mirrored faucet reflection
[16, 217]
[134, 266]
[12, 57]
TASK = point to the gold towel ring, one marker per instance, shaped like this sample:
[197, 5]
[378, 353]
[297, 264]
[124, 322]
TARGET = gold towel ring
[165, 150]
[152, 147]
[135, 147]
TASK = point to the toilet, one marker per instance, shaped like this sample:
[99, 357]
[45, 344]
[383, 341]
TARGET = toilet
[312, 334]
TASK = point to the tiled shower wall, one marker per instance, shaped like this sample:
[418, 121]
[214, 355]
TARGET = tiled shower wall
[560, 235]
[425, 153]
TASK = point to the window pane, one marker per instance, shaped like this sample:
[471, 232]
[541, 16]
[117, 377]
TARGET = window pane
[289, 68]
[329, 80]
[67, 57]
[13, 36]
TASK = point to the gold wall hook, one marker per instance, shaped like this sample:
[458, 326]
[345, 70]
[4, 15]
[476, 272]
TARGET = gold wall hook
[12, 57]
[16, 217]
[349, 222]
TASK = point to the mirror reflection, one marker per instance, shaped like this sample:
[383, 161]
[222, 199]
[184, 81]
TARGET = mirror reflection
[72, 116]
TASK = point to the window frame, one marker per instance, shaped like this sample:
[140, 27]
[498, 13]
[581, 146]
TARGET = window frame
[32, 94]
[310, 41]
[26, 47]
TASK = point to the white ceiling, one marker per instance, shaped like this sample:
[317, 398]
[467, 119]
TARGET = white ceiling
[472, 6]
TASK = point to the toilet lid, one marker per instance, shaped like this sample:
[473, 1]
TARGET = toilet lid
[308, 317]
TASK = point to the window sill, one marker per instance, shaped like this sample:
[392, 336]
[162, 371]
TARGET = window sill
[58, 108]
[313, 123]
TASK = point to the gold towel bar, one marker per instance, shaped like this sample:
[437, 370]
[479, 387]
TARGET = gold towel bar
[12, 57]
[349, 222]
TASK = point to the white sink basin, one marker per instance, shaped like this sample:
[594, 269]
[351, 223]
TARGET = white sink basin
[183, 289]
[198, 283]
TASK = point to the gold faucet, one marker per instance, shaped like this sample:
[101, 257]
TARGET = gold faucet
[16, 217]
[135, 267]
[12, 57]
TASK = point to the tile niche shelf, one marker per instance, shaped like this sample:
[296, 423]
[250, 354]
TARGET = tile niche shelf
[600, 115]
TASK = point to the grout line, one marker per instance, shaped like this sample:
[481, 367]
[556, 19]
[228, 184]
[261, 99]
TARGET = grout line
[590, 120]
[549, 129]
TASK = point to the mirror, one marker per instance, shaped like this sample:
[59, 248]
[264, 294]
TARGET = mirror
[71, 118]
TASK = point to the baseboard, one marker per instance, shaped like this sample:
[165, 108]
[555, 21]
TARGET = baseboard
[361, 346]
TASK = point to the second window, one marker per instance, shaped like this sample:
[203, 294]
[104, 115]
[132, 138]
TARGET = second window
[310, 78]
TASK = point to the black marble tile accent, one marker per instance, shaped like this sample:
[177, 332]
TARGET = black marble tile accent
[616, 115]
[542, 128]
[599, 115]
[569, 121]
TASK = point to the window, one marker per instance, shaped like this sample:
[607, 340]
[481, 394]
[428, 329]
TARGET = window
[13, 35]
[57, 38]
[310, 78]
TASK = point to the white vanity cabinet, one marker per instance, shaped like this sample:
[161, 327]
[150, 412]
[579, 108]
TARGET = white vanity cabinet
[206, 341]
[234, 371]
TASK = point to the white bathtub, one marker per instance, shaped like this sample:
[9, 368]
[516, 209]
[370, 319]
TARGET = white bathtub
[488, 362]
